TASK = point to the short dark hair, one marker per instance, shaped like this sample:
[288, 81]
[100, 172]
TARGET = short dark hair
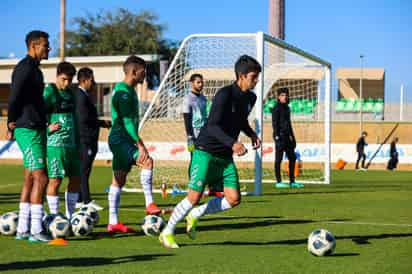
[133, 60]
[279, 91]
[246, 64]
[194, 76]
[84, 73]
[66, 68]
[34, 36]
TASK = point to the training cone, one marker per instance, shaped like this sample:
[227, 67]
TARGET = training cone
[58, 241]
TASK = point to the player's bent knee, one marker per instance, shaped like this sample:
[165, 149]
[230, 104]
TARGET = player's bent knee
[148, 164]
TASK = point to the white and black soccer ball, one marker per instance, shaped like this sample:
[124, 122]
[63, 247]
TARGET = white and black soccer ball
[92, 212]
[8, 223]
[46, 221]
[321, 242]
[59, 227]
[152, 225]
[82, 224]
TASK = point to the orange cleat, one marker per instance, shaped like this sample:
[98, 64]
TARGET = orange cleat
[119, 228]
[152, 209]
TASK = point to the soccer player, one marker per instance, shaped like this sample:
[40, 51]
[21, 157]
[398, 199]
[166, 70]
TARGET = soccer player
[194, 112]
[63, 154]
[27, 123]
[360, 149]
[89, 126]
[127, 147]
[393, 161]
[284, 138]
[213, 157]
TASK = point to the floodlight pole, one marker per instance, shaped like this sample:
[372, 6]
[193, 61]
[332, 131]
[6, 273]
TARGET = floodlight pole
[62, 28]
[401, 104]
[360, 95]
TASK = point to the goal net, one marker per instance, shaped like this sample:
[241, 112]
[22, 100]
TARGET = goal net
[214, 56]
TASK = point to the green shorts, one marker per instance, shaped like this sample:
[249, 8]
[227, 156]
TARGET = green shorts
[32, 143]
[125, 155]
[63, 162]
[216, 172]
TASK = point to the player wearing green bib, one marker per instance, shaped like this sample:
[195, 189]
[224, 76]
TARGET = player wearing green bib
[127, 147]
[63, 154]
[212, 163]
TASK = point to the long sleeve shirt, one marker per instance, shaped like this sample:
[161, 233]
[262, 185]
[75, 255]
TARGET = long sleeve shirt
[360, 145]
[125, 114]
[228, 116]
[281, 123]
[26, 105]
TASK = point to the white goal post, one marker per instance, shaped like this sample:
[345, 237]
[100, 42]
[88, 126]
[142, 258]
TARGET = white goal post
[283, 65]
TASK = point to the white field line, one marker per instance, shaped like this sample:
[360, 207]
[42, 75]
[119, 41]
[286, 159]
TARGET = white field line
[366, 223]
[8, 185]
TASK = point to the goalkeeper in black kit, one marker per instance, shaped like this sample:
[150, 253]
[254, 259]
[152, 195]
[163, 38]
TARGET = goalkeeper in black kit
[284, 138]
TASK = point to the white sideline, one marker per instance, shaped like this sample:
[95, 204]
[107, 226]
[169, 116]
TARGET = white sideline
[366, 223]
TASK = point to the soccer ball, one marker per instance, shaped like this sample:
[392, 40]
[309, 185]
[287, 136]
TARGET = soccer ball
[321, 242]
[59, 227]
[82, 224]
[8, 223]
[92, 212]
[47, 220]
[152, 225]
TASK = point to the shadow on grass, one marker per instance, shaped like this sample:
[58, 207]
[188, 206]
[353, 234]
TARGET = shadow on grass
[343, 255]
[355, 238]
[78, 262]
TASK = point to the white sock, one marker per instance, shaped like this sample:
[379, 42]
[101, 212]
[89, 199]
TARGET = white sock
[179, 212]
[71, 200]
[53, 202]
[146, 181]
[36, 211]
[24, 218]
[114, 202]
[212, 206]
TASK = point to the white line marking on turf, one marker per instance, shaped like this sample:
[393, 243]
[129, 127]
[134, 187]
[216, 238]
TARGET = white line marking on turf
[366, 223]
[5, 186]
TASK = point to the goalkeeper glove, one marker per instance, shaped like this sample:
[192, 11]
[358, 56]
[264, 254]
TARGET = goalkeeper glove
[190, 144]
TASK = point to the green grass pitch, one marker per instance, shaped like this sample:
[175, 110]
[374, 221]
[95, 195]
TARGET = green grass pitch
[370, 214]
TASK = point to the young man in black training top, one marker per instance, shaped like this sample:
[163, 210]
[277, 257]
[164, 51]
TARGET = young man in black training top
[360, 149]
[284, 138]
[393, 161]
[27, 123]
[212, 161]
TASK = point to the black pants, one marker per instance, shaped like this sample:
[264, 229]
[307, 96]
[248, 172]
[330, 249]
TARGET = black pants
[290, 153]
[393, 162]
[361, 155]
[88, 154]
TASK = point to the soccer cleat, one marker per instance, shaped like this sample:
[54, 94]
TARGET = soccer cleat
[282, 185]
[168, 240]
[152, 209]
[94, 205]
[119, 227]
[296, 185]
[41, 237]
[22, 235]
[79, 204]
[191, 223]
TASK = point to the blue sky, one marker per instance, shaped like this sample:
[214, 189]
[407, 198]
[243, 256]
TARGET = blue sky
[337, 31]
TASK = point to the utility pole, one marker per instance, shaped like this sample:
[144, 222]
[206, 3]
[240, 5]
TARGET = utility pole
[361, 95]
[62, 28]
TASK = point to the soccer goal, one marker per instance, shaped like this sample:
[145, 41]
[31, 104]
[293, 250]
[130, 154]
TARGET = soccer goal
[214, 56]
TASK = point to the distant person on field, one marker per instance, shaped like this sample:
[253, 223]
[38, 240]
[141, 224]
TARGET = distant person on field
[284, 138]
[360, 149]
[393, 161]
[27, 123]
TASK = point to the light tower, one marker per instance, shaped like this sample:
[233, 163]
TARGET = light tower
[277, 18]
